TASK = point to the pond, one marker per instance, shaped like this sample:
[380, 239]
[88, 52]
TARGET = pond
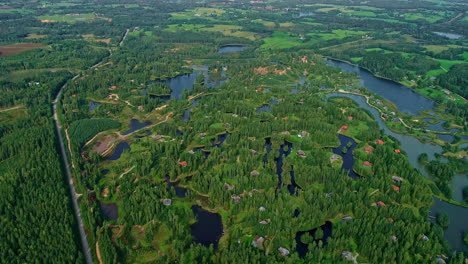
[284, 150]
[231, 48]
[264, 108]
[186, 115]
[179, 191]
[448, 35]
[303, 248]
[407, 100]
[208, 229]
[268, 150]
[135, 125]
[110, 211]
[446, 137]
[413, 148]
[93, 106]
[348, 157]
[121, 147]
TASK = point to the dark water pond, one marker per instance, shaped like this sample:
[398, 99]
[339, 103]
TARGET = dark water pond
[446, 137]
[448, 35]
[348, 157]
[284, 151]
[93, 106]
[302, 248]
[110, 211]
[413, 148]
[208, 229]
[407, 100]
[220, 140]
[231, 48]
[264, 108]
[179, 191]
[135, 125]
[268, 150]
[186, 115]
[119, 149]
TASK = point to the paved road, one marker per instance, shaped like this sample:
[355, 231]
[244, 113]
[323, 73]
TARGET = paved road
[76, 208]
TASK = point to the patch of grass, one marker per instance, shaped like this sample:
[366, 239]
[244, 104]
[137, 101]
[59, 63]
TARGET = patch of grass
[447, 64]
[363, 13]
[431, 18]
[436, 48]
[265, 23]
[70, 18]
[281, 40]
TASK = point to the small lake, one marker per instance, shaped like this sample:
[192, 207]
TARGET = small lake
[348, 157]
[264, 108]
[179, 191]
[407, 100]
[93, 106]
[303, 248]
[119, 149]
[208, 229]
[110, 211]
[445, 137]
[448, 35]
[135, 125]
[231, 48]
[284, 151]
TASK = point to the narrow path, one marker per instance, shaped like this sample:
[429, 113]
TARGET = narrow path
[11, 108]
[459, 15]
[124, 37]
[76, 208]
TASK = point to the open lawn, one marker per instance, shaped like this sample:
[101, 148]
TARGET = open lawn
[281, 40]
[362, 13]
[70, 18]
[335, 34]
[9, 50]
[447, 64]
[431, 18]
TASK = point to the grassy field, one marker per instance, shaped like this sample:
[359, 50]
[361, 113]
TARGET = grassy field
[335, 34]
[436, 48]
[362, 13]
[281, 40]
[9, 50]
[264, 22]
[227, 30]
[447, 64]
[67, 18]
[431, 18]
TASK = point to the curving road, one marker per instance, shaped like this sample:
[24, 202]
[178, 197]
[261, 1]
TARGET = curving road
[76, 208]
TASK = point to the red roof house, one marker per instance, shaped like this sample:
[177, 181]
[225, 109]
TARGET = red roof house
[350, 118]
[367, 164]
[380, 142]
[344, 128]
[259, 89]
[396, 188]
[397, 151]
[74, 95]
[285, 118]
[183, 163]
[368, 149]
[381, 203]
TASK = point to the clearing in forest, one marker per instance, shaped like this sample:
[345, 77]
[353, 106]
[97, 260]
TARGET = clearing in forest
[9, 50]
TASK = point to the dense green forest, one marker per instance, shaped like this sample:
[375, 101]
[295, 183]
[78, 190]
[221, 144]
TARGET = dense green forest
[221, 118]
